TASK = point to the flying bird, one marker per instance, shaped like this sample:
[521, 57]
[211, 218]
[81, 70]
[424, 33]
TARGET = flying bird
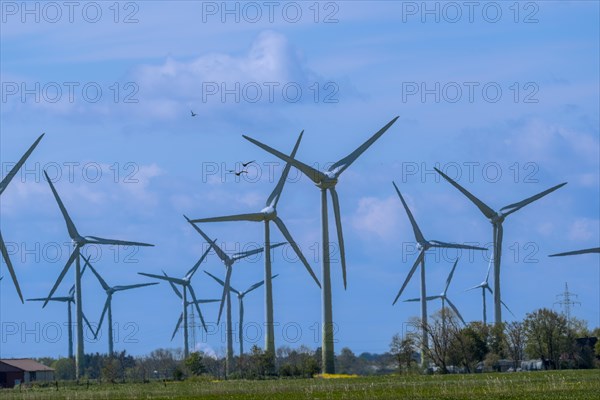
[237, 173]
[193, 113]
[248, 163]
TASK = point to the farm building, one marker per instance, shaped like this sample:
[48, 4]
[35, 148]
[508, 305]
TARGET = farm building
[14, 371]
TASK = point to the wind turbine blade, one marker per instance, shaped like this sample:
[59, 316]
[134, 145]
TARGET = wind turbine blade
[106, 304]
[102, 281]
[220, 282]
[473, 287]
[487, 211]
[487, 275]
[177, 292]
[164, 278]
[418, 234]
[225, 289]
[449, 279]
[99, 240]
[456, 310]
[87, 322]
[11, 174]
[73, 234]
[345, 162]
[128, 287]
[338, 224]
[60, 299]
[238, 217]
[517, 206]
[62, 274]
[411, 300]
[192, 271]
[205, 301]
[257, 285]
[489, 289]
[437, 243]
[410, 274]
[195, 301]
[224, 257]
[177, 326]
[11, 269]
[239, 256]
[288, 237]
[572, 253]
[508, 309]
[276, 193]
[311, 173]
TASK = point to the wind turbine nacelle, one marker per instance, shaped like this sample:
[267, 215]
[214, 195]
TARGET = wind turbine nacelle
[269, 212]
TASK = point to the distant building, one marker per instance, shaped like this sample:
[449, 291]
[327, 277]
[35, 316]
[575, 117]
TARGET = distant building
[14, 371]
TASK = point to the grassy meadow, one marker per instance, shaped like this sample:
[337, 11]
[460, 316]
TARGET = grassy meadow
[555, 385]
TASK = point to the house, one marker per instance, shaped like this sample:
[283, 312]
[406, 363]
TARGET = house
[14, 371]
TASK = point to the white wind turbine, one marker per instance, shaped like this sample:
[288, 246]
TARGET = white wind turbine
[78, 243]
[186, 286]
[325, 181]
[70, 299]
[240, 296]
[497, 218]
[423, 245]
[444, 295]
[188, 303]
[3, 185]
[228, 261]
[486, 286]
[110, 290]
[266, 215]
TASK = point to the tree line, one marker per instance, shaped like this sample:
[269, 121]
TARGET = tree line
[452, 347]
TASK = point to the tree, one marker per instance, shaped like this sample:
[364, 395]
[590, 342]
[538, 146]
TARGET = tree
[346, 361]
[402, 349]
[64, 369]
[110, 369]
[195, 364]
[441, 331]
[468, 345]
[546, 333]
[515, 342]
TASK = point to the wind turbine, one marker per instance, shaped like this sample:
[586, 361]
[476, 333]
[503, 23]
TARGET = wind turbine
[572, 253]
[188, 303]
[70, 299]
[497, 218]
[485, 286]
[423, 245]
[186, 286]
[226, 298]
[11, 174]
[327, 180]
[444, 295]
[78, 243]
[240, 296]
[266, 215]
[110, 290]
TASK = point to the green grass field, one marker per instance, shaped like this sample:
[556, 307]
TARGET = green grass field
[555, 385]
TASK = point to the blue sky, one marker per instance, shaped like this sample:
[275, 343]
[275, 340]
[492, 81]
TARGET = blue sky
[506, 103]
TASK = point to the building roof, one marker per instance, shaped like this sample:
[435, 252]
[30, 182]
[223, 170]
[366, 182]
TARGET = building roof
[25, 364]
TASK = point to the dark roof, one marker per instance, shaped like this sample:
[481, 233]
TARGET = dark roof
[25, 364]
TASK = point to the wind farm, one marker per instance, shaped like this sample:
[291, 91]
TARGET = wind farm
[344, 155]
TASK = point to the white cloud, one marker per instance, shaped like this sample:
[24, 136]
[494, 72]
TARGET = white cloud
[377, 216]
[583, 229]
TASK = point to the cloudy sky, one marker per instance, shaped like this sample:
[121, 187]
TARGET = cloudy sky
[501, 96]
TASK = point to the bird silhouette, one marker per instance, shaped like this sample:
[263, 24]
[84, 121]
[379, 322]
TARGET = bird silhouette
[193, 113]
[237, 173]
[248, 163]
